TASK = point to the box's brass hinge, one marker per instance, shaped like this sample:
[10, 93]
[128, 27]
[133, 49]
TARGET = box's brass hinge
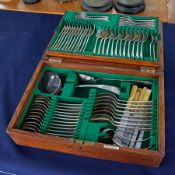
[148, 70]
[111, 147]
[53, 59]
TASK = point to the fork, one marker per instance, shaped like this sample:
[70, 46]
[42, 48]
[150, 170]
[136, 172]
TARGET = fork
[91, 17]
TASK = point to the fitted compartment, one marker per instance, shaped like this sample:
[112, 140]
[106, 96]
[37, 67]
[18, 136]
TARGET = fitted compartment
[91, 137]
[106, 38]
[85, 128]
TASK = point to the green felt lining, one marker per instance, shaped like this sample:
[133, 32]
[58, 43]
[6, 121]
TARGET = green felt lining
[85, 129]
[112, 24]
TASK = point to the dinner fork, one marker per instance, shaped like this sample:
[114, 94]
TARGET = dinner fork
[91, 17]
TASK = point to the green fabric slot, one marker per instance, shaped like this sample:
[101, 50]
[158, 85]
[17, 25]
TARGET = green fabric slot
[19, 125]
[88, 114]
[57, 31]
[153, 143]
[68, 90]
[156, 21]
[155, 97]
[80, 121]
[48, 115]
[93, 131]
[87, 130]
[90, 131]
[53, 105]
[71, 78]
[125, 90]
[113, 23]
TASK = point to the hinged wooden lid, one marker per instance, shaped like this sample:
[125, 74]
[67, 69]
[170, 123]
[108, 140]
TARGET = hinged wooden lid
[87, 65]
[127, 63]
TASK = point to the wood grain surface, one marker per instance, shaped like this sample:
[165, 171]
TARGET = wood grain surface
[95, 150]
[162, 8]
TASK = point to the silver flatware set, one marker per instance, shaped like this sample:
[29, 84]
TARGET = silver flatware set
[65, 119]
[142, 23]
[139, 41]
[86, 16]
[74, 36]
[130, 121]
[120, 114]
[125, 43]
[36, 113]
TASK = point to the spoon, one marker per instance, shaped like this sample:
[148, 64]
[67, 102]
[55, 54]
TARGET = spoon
[50, 83]
[113, 89]
[92, 80]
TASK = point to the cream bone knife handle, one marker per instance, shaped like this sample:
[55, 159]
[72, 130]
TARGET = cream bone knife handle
[142, 93]
[136, 98]
[147, 95]
[144, 98]
[132, 94]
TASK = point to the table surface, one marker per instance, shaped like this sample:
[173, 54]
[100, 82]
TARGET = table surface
[21, 47]
[161, 8]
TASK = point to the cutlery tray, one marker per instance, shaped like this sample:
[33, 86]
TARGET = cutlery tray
[107, 106]
[108, 40]
[85, 129]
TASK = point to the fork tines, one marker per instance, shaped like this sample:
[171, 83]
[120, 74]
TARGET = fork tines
[129, 21]
[74, 36]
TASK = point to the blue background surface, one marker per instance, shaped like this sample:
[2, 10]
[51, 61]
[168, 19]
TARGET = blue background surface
[23, 39]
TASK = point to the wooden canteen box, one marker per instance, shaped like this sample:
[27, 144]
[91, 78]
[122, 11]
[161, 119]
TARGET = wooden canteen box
[98, 91]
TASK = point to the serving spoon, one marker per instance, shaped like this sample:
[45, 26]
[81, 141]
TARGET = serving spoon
[92, 80]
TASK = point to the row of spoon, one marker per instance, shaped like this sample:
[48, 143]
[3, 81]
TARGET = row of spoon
[36, 113]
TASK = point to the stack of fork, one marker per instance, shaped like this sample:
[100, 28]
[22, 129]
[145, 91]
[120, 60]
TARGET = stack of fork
[65, 119]
[132, 118]
[143, 23]
[124, 43]
[74, 37]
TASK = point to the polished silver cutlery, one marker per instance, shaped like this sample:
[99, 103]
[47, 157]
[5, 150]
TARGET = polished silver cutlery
[73, 37]
[143, 23]
[36, 113]
[124, 43]
[65, 119]
[86, 16]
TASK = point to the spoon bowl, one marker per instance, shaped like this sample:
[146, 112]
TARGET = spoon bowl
[51, 83]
